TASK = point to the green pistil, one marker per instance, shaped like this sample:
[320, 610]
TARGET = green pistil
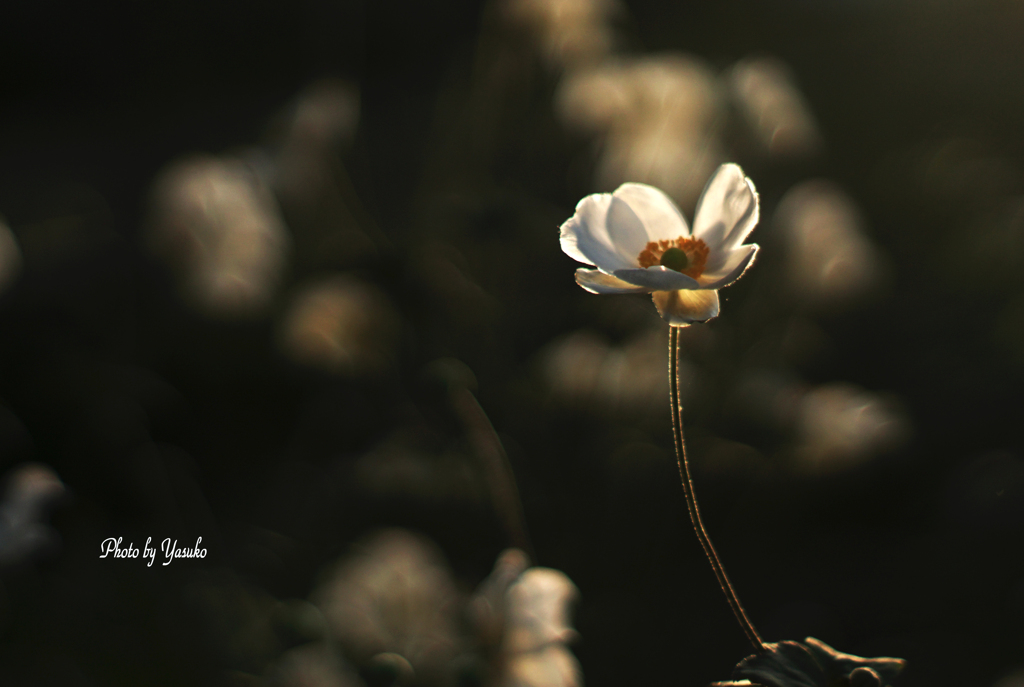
[675, 259]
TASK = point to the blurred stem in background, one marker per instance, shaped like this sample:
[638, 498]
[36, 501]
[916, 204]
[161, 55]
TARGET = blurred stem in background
[691, 497]
[500, 479]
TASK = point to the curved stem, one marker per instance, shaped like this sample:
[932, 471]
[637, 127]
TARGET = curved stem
[498, 474]
[691, 497]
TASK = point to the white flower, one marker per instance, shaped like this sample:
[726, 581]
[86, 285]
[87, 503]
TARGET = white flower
[640, 243]
[522, 615]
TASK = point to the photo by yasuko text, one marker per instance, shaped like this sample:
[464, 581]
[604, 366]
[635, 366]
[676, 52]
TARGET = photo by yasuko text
[112, 548]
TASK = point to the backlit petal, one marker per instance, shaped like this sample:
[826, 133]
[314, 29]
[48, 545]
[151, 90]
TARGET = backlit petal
[600, 231]
[596, 281]
[680, 308]
[626, 231]
[733, 265]
[657, 278]
[727, 210]
[660, 217]
[538, 610]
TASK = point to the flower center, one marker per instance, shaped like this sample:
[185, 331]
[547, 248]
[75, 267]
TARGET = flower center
[675, 259]
[684, 254]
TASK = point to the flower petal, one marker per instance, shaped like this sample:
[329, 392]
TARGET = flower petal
[538, 607]
[733, 266]
[596, 281]
[627, 231]
[727, 210]
[657, 278]
[680, 308]
[660, 217]
[603, 232]
[551, 666]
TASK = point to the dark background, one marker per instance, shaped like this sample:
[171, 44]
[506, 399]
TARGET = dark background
[162, 421]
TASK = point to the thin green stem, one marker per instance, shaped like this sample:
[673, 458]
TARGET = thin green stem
[691, 497]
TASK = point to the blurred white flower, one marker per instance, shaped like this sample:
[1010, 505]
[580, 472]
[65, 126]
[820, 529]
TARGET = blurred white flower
[313, 665]
[840, 425]
[218, 226]
[640, 243]
[658, 119]
[341, 325]
[568, 32]
[584, 370]
[774, 108]
[525, 613]
[324, 114]
[305, 165]
[393, 604]
[831, 260]
[830, 427]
